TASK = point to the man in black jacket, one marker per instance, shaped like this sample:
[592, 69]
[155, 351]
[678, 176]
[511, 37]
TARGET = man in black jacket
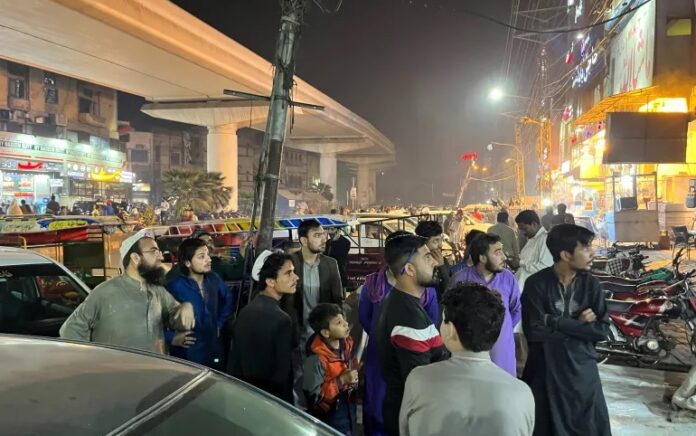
[319, 282]
[563, 315]
[405, 335]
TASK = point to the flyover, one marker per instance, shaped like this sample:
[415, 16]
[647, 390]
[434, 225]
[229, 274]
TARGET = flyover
[154, 49]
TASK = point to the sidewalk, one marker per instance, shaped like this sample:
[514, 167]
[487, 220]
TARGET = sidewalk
[635, 398]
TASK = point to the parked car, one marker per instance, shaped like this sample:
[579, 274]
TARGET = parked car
[37, 294]
[55, 387]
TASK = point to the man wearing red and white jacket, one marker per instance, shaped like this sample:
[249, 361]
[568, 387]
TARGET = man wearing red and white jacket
[406, 337]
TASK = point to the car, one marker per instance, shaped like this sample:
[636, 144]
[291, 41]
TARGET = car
[58, 387]
[37, 294]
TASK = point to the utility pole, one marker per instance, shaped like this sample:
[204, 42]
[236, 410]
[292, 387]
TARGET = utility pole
[272, 150]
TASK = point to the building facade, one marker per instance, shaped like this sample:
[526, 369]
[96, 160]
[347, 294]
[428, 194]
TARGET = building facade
[643, 62]
[164, 148]
[58, 136]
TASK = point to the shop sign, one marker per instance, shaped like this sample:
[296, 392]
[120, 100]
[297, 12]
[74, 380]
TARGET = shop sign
[127, 177]
[633, 52]
[30, 166]
[21, 226]
[141, 187]
[55, 183]
[104, 175]
[52, 147]
[17, 165]
[66, 224]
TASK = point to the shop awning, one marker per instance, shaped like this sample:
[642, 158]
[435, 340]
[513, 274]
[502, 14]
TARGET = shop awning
[625, 102]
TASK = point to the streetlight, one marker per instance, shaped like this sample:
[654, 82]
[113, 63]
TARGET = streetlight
[496, 94]
[519, 165]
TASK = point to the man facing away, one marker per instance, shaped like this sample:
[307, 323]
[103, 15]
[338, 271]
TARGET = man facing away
[212, 306]
[133, 309]
[406, 336]
[467, 394]
[564, 314]
[489, 270]
[508, 237]
[338, 247]
[563, 217]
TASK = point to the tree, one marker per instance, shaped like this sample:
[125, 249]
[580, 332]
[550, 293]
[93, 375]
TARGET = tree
[200, 191]
[324, 190]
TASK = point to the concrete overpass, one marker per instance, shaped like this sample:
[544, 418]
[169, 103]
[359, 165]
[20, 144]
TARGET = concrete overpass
[154, 49]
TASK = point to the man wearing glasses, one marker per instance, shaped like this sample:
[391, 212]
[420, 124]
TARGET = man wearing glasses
[133, 309]
[319, 282]
[406, 337]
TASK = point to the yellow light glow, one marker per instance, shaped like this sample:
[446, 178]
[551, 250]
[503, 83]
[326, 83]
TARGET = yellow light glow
[601, 145]
[665, 104]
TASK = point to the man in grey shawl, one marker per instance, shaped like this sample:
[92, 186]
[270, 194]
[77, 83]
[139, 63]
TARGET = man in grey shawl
[133, 309]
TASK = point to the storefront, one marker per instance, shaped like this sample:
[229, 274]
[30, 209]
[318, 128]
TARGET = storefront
[33, 168]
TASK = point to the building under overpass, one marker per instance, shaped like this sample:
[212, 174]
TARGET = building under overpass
[156, 50]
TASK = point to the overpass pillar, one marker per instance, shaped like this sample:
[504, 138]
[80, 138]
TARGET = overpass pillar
[363, 185]
[222, 157]
[328, 172]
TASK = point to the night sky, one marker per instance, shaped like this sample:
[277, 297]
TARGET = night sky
[417, 70]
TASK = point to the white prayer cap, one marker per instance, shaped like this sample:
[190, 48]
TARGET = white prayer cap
[258, 264]
[129, 242]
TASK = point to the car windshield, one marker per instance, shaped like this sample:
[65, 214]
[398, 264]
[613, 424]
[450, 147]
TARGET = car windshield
[33, 293]
[221, 406]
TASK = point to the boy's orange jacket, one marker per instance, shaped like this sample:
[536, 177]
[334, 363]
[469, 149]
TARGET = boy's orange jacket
[323, 369]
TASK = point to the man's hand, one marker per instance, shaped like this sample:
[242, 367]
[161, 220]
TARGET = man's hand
[588, 315]
[349, 377]
[186, 316]
[184, 339]
[438, 256]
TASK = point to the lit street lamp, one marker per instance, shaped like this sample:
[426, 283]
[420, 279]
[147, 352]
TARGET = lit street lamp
[519, 165]
[498, 94]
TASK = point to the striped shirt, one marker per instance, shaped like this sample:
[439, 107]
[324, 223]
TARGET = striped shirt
[406, 338]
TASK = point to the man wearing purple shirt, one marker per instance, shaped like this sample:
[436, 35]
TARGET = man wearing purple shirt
[489, 259]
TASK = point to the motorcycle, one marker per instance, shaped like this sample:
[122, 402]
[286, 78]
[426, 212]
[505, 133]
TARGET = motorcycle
[635, 328]
[621, 261]
[620, 288]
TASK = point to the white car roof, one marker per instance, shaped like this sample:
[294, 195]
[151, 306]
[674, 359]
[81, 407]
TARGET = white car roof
[19, 256]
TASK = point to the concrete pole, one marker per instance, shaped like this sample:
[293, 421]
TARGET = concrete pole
[223, 157]
[284, 63]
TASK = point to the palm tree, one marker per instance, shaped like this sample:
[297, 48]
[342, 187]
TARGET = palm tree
[324, 190]
[200, 191]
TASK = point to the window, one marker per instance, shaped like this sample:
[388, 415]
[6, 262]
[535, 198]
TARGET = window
[679, 27]
[32, 295]
[220, 405]
[175, 159]
[157, 153]
[18, 80]
[89, 101]
[50, 88]
[139, 156]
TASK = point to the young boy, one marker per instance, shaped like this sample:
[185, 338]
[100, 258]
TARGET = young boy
[330, 374]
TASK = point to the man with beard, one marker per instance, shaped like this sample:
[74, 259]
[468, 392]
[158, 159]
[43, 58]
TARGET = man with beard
[534, 257]
[406, 336]
[133, 309]
[563, 315]
[319, 282]
[489, 270]
[212, 305]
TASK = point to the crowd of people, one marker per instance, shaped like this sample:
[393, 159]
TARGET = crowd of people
[501, 343]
